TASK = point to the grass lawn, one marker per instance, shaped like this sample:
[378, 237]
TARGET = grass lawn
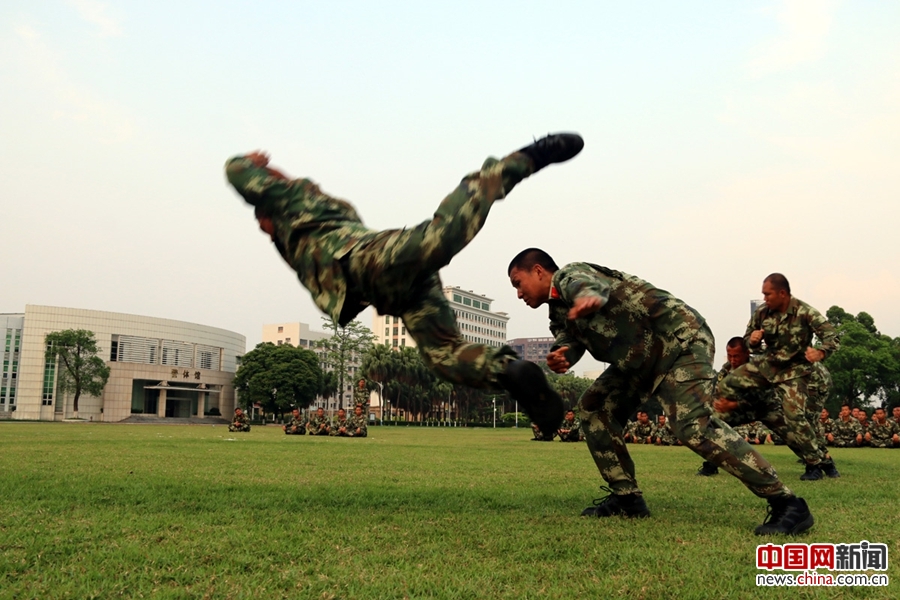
[106, 511]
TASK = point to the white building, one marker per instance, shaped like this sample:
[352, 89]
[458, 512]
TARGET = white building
[157, 366]
[477, 323]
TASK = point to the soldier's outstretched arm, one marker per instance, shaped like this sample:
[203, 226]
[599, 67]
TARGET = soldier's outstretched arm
[254, 180]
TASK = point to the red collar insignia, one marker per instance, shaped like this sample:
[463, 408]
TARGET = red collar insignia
[554, 293]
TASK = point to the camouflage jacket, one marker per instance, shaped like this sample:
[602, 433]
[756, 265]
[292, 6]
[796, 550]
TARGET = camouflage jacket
[337, 424]
[640, 432]
[824, 427]
[240, 421]
[665, 435]
[574, 425]
[296, 422]
[846, 430]
[742, 430]
[755, 430]
[361, 397]
[313, 231]
[316, 424]
[360, 422]
[787, 336]
[883, 432]
[639, 329]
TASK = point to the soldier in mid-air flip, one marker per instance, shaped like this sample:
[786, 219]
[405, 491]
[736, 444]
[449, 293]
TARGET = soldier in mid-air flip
[347, 267]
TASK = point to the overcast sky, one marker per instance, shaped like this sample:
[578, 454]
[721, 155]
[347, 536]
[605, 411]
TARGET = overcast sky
[723, 141]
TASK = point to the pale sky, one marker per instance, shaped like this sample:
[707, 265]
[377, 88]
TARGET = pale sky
[723, 141]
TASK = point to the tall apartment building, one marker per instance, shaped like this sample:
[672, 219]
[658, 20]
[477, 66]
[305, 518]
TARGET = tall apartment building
[301, 336]
[476, 321]
[533, 349]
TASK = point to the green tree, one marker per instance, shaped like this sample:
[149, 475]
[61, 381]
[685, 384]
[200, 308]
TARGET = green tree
[866, 368]
[570, 387]
[81, 371]
[278, 377]
[345, 346]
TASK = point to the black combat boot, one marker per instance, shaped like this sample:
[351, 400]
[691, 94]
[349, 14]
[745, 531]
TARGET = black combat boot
[788, 516]
[555, 148]
[526, 383]
[813, 473]
[707, 469]
[829, 469]
[627, 505]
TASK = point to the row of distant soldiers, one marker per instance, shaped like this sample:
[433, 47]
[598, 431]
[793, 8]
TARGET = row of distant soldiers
[319, 424]
[852, 428]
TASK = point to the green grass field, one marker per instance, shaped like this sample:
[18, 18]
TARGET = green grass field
[139, 511]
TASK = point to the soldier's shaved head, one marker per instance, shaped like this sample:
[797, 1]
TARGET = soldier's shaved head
[778, 282]
[526, 259]
[737, 342]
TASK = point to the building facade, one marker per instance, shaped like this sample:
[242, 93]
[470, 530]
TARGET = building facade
[477, 323]
[533, 349]
[159, 367]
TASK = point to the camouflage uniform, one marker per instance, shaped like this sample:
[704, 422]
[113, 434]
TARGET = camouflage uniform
[360, 423]
[336, 426]
[298, 423]
[656, 346]
[743, 430]
[640, 432]
[665, 436]
[824, 427]
[574, 428]
[361, 397]
[318, 425]
[882, 433]
[782, 369]
[540, 436]
[240, 423]
[347, 266]
[845, 432]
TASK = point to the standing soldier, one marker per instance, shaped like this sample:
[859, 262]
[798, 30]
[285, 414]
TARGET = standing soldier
[787, 326]
[657, 347]
[240, 422]
[318, 425]
[846, 431]
[358, 425]
[348, 267]
[295, 426]
[883, 432]
[361, 394]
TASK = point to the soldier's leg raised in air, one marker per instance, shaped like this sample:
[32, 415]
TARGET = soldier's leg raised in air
[431, 323]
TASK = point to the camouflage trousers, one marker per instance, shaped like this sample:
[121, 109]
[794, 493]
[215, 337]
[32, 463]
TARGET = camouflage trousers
[238, 428]
[298, 431]
[844, 443]
[684, 392]
[397, 272]
[781, 406]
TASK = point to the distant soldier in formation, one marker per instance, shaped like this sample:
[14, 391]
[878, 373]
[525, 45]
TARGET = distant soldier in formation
[863, 417]
[570, 430]
[883, 432]
[359, 426]
[340, 426]
[787, 327]
[824, 424]
[319, 424]
[348, 267]
[663, 435]
[240, 422]
[846, 432]
[641, 431]
[295, 426]
[657, 347]
[896, 415]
